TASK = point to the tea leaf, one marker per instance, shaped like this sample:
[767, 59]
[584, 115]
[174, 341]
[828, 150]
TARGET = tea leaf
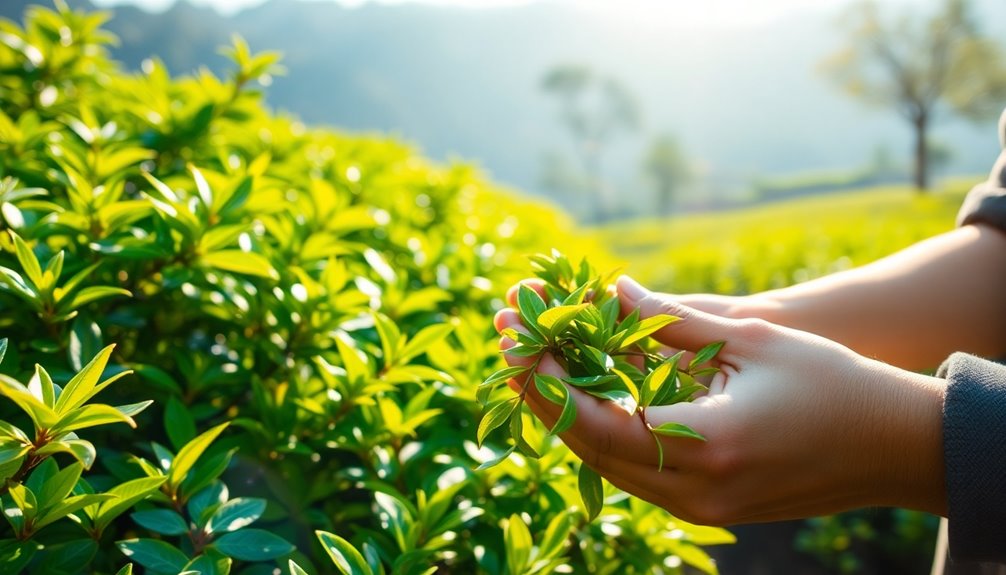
[591, 491]
[677, 430]
[705, 354]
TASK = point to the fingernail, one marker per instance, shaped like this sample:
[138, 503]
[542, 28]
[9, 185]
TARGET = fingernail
[631, 290]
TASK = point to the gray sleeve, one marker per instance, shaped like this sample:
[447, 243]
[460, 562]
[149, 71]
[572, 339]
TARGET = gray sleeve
[974, 449]
[986, 203]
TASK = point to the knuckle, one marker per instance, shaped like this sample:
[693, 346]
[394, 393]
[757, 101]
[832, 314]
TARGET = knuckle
[757, 329]
[721, 462]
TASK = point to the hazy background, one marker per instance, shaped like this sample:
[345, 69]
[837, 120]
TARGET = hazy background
[736, 83]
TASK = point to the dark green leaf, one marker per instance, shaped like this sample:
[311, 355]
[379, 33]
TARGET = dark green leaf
[155, 555]
[163, 521]
[252, 545]
[235, 514]
[591, 491]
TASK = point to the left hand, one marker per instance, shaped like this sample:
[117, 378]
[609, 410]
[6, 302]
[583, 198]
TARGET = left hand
[795, 425]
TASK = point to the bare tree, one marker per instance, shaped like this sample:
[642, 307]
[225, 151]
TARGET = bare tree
[920, 66]
[593, 110]
[667, 168]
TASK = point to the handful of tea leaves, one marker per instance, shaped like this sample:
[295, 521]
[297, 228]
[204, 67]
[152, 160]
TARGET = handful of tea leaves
[609, 358]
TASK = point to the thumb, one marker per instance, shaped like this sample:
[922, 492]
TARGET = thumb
[693, 331]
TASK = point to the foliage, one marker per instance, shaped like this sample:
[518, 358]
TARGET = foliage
[917, 64]
[577, 323]
[309, 313]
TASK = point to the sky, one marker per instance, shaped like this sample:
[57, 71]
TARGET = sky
[707, 12]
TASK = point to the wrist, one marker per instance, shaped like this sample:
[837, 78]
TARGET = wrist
[904, 440]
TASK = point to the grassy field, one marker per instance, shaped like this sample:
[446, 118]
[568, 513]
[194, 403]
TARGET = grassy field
[778, 244]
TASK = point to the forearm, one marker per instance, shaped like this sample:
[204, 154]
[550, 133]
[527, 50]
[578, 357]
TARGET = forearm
[911, 309]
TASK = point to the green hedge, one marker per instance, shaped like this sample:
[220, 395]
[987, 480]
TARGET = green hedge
[234, 343]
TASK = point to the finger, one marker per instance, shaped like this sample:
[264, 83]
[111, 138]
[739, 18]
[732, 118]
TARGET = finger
[693, 331]
[600, 429]
[508, 318]
[536, 284]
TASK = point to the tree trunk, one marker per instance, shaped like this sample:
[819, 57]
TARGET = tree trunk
[921, 170]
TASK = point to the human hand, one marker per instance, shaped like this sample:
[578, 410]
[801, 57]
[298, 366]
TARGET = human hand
[795, 425]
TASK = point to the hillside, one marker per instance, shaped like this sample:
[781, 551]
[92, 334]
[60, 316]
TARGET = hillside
[743, 101]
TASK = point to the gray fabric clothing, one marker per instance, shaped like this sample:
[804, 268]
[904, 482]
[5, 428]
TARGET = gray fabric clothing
[974, 422]
[974, 441]
[986, 203]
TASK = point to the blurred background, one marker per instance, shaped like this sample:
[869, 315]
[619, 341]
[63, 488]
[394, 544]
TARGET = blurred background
[727, 145]
[612, 109]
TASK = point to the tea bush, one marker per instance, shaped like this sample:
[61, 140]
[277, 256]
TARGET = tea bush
[294, 320]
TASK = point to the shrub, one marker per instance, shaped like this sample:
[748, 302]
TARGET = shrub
[309, 313]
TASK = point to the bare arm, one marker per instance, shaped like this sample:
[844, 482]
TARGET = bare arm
[911, 309]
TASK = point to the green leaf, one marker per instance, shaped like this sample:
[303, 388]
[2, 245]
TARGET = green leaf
[81, 449]
[391, 338]
[91, 416]
[25, 501]
[81, 386]
[41, 415]
[41, 386]
[517, 541]
[705, 354]
[677, 430]
[654, 383]
[591, 491]
[12, 452]
[252, 545]
[127, 569]
[163, 521]
[127, 494]
[423, 340]
[621, 399]
[641, 330]
[346, 558]
[26, 257]
[551, 388]
[178, 423]
[495, 417]
[297, 569]
[567, 417]
[133, 409]
[591, 380]
[240, 262]
[530, 306]
[210, 562]
[188, 455]
[85, 342]
[71, 505]
[554, 321]
[57, 487]
[155, 555]
[12, 433]
[236, 514]
[88, 295]
[496, 460]
[3, 349]
[14, 554]
[65, 557]
[499, 377]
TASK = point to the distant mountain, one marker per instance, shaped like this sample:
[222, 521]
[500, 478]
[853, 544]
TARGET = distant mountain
[744, 102]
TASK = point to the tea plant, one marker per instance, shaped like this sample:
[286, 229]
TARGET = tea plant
[612, 359]
[308, 311]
